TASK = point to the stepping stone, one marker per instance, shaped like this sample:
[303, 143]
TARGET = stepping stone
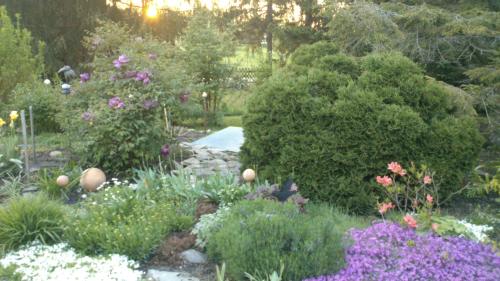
[160, 275]
[193, 256]
[228, 139]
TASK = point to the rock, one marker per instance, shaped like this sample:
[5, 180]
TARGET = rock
[217, 163]
[160, 275]
[56, 154]
[233, 164]
[193, 256]
[91, 179]
[202, 154]
[203, 172]
[191, 162]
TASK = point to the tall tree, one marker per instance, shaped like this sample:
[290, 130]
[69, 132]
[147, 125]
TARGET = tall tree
[61, 24]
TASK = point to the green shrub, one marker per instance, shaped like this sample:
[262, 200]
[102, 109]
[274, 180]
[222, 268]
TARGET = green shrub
[17, 62]
[334, 134]
[25, 219]
[257, 235]
[123, 221]
[45, 101]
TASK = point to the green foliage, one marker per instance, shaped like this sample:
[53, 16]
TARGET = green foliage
[203, 48]
[185, 190]
[9, 156]
[334, 135]
[46, 180]
[117, 139]
[123, 221]
[10, 187]
[447, 42]
[258, 234]
[9, 273]
[26, 219]
[45, 101]
[17, 62]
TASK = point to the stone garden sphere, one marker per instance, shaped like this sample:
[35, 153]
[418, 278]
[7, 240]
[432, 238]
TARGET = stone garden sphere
[249, 175]
[62, 181]
[91, 179]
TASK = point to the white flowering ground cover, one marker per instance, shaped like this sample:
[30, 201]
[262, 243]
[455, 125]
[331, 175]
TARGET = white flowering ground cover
[479, 231]
[60, 263]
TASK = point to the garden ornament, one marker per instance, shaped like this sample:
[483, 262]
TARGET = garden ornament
[249, 175]
[62, 181]
[204, 95]
[66, 89]
[47, 82]
[91, 179]
[66, 73]
[288, 189]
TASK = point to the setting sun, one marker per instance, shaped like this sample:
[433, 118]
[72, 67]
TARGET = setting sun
[152, 12]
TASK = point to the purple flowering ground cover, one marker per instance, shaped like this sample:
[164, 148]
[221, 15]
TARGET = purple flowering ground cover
[388, 251]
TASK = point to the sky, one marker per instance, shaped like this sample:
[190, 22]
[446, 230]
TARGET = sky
[184, 5]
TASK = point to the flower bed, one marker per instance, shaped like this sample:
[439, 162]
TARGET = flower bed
[387, 251]
[60, 262]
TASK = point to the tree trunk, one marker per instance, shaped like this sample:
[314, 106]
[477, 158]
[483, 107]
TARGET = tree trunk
[308, 11]
[269, 33]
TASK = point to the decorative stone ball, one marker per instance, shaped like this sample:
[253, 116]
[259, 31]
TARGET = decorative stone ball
[204, 95]
[62, 181]
[249, 175]
[92, 178]
[47, 82]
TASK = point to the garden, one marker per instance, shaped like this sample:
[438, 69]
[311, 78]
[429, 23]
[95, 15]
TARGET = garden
[250, 141]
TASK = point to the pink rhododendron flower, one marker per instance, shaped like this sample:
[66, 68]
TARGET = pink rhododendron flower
[410, 221]
[396, 168]
[427, 180]
[384, 181]
[429, 198]
[384, 207]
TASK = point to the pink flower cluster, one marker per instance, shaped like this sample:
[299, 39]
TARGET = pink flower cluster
[384, 207]
[396, 168]
[384, 181]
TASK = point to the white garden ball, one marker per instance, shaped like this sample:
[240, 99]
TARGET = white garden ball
[62, 181]
[92, 178]
[47, 82]
[249, 175]
[204, 95]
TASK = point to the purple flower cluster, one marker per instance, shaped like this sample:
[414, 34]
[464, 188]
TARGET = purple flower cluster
[122, 60]
[387, 251]
[84, 77]
[143, 76]
[116, 103]
[165, 150]
[87, 116]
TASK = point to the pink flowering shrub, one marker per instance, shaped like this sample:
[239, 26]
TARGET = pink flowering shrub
[387, 251]
[409, 189]
[126, 103]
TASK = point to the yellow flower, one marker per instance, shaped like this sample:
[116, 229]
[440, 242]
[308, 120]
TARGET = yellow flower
[14, 115]
[2, 122]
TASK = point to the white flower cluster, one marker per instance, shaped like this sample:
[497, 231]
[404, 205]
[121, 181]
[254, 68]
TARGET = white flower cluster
[208, 224]
[479, 231]
[60, 263]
